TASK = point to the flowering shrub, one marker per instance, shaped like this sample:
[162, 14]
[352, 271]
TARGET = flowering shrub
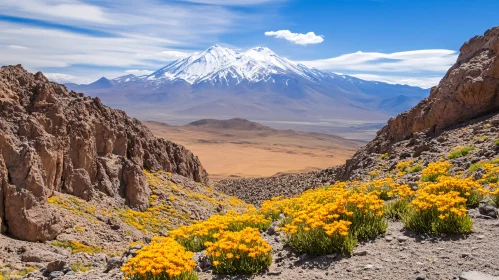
[163, 259]
[194, 237]
[237, 222]
[466, 187]
[331, 219]
[494, 195]
[333, 236]
[273, 208]
[403, 166]
[381, 187]
[491, 172]
[244, 251]
[438, 213]
[435, 170]
[399, 207]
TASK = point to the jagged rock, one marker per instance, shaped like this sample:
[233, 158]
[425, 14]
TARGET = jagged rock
[55, 266]
[488, 210]
[56, 274]
[469, 89]
[53, 140]
[113, 263]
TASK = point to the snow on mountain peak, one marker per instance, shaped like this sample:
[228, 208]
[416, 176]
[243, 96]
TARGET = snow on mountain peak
[220, 63]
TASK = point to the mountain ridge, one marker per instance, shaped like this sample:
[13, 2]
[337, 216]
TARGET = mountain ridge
[256, 84]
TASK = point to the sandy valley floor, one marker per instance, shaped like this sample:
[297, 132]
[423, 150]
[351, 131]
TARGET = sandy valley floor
[222, 146]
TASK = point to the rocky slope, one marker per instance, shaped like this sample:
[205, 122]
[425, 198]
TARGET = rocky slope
[430, 130]
[53, 140]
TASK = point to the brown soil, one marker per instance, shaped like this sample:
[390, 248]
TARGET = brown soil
[231, 152]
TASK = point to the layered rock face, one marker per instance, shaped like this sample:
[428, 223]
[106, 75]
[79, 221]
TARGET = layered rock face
[469, 89]
[55, 140]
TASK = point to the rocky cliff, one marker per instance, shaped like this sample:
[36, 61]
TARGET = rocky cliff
[469, 89]
[54, 140]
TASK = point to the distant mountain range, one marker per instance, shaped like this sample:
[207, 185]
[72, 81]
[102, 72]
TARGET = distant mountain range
[257, 84]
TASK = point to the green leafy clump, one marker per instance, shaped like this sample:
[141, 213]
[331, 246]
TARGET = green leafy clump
[460, 152]
[315, 241]
[440, 213]
[415, 168]
[496, 142]
[397, 209]
[80, 267]
[77, 247]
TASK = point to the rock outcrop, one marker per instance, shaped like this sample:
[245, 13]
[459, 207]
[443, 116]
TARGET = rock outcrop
[469, 89]
[55, 140]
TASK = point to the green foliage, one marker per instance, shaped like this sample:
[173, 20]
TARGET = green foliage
[481, 164]
[80, 267]
[496, 143]
[316, 242]
[396, 209]
[366, 226]
[494, 200]
[415, 168]
[430, 222]
[460, 152]
[77, 247]
[473, 200]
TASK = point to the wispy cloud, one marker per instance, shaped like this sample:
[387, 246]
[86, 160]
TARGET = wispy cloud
[62, 78]
[110, 33]
[15, 47]
[297, 38]
[409, 61]
[137, 72]
[423, 68]
[73, 10]
[424, 82]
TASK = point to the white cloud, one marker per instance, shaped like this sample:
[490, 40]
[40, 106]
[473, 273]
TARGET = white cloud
[437, 60]
[69, 9]
[297, 38]
[17, 47]
[422, 68]
[167, 55]
[424, 82]
[137, 72]
[110, 36]
[61, 78]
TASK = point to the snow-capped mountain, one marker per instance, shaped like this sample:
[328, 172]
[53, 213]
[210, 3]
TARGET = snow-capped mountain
[224, 65]
[257, 83]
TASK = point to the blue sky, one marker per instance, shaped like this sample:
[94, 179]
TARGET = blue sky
[397, 41]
